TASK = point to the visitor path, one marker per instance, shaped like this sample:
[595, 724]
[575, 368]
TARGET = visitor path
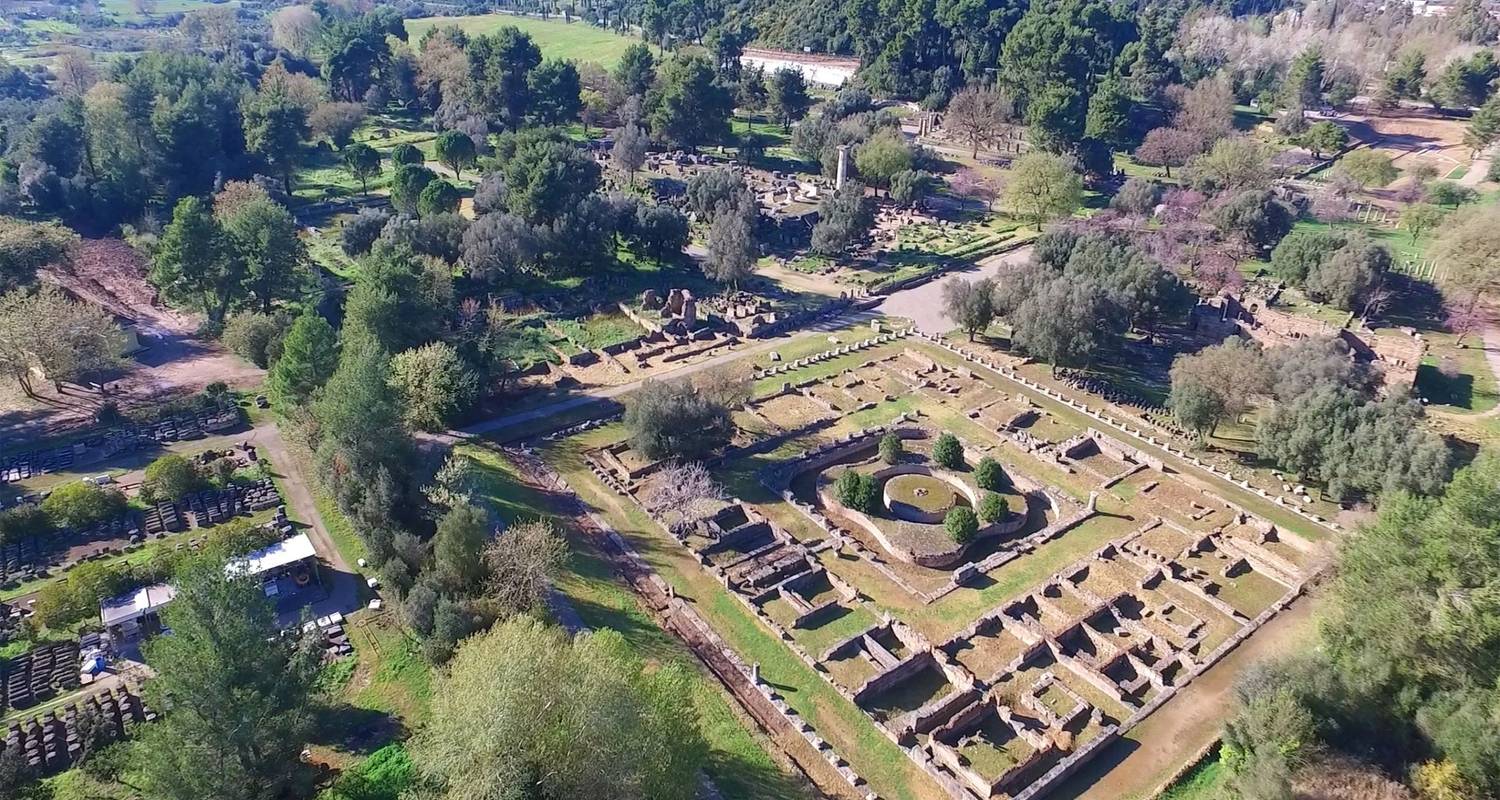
[923, 304]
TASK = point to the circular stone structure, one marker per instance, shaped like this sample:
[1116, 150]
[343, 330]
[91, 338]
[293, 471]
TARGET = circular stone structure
[918, 498]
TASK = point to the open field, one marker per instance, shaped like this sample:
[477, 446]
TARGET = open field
[575, 41]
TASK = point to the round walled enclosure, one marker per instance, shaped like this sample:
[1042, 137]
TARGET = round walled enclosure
[915, 497]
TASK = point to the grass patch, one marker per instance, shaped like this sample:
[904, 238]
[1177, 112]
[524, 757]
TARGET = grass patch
[574, 41]
[1207, 781]
[600, 330]
[390, 675]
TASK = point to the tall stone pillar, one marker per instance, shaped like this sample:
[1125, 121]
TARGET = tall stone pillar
[838, 182]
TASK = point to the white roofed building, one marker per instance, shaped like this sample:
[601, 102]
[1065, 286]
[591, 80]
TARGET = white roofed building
[284, 569]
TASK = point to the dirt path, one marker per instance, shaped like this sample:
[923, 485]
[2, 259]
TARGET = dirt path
[791, 748]
[1136, 766]
[173, 360]
[923, 304]
[344, 584]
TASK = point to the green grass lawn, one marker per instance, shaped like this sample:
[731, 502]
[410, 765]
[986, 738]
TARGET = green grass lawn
[577, 40]
[1207, 781]
[1460, 378]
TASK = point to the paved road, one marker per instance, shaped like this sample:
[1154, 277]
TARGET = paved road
[923, 304]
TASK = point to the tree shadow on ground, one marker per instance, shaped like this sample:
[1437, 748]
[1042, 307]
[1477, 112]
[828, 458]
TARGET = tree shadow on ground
[741, 777]
[1444, 389]
[355, 730]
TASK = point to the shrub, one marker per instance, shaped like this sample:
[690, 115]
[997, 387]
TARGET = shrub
[406, 154]
[891, 448]
[385, 775]
[674, 420]
[360, 231]
[1138, 196]
[22, 521]
[857, 491]
[1448, 193]
[992, 508]
[255, 337]
[170, 477]
[961, 524]
[947, 451]
[990, 475]
[79, 505]
[222, 470]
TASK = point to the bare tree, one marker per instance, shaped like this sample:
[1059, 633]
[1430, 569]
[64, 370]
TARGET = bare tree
[980, 115]
[1168, 148]
[522, 562]
[295, 29]
[972, 183]
[50, 334]
[1461, 316]
[629, 152]
[684, 495]
[75, 72]
[1206, 109]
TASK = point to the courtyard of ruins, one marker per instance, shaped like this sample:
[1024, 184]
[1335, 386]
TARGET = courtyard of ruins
[1117, 573]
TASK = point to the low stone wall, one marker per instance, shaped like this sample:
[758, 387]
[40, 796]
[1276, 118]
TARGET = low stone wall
[1147, 436]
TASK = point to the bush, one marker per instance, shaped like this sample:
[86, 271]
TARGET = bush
[170, 477]
[991, 476]
[255, 337]
[857, 491]
[674, 420]
[80, 505]
[385, 775]
[948, 452]
[406, 154]
[1138, 196]
[1448, 193]
[1494, 172]
[23, 521]
[360, 231]
[222, 470]
[961, 524]
[891, 448]
[992, 508]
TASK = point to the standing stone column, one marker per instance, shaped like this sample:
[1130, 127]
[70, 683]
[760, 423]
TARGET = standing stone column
[838, 182]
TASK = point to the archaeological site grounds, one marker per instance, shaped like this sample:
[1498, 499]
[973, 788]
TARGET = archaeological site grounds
[1109, 572]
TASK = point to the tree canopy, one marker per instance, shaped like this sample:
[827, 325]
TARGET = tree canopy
[526, 711]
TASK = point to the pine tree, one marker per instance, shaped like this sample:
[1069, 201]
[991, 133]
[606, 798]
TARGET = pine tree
[309, 356]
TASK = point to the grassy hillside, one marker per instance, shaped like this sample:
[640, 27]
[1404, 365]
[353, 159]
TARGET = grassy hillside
[578, 41]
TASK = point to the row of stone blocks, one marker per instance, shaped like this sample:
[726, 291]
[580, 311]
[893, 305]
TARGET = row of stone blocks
[51, 742]
[832, 352]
